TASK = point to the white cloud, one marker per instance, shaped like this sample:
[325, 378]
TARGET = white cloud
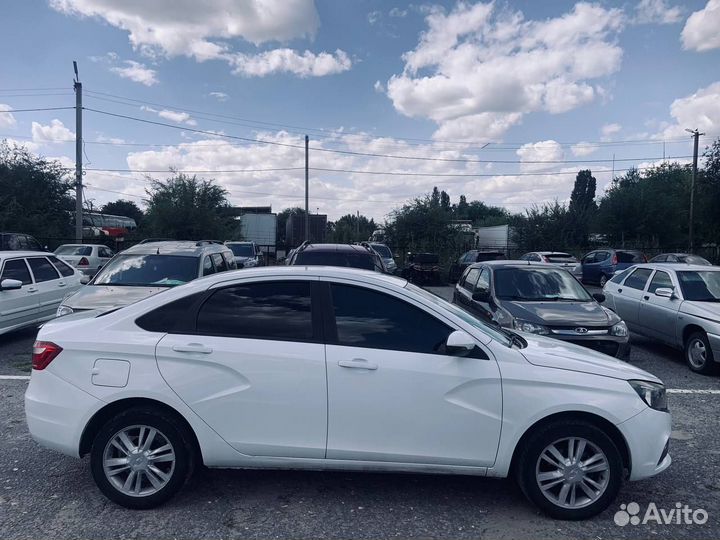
[54, 132]
[7, 120]
[608, 130]
[700, 110]
[307, 64]
[478, 70]
[379, 87]
[174, 116]
[582, 149]
[397, 12]
[220, 96]
[540, 151]
[656, 12]
[374, 16]
[702, 29]
[135, 71]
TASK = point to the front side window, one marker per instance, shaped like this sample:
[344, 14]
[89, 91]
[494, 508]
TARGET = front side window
[538, 285]
[16, 269]
[42, 269]
[638, 278]
[589, 258]
[148, 271]
[483, 283]
[660, 280]
[601, 256]
[471, 279]
[62, 267]
[367, 318]
[701, 286]
[280, 310]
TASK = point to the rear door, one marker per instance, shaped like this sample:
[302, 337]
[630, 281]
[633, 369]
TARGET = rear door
[252, 366]
[18, 307]
[629, 295]
[51, 287]
[658, 314]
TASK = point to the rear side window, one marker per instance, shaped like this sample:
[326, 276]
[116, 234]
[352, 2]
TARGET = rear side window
[619, 277]
[170, 318]
[61, 267]
[280, 310]
[208, 267]
[660, 279]
[366, 318]
[16, 269]
[229, 260]
[42, 269]
[638, 278]
[219, 262]
[630, 257]
[601, 256]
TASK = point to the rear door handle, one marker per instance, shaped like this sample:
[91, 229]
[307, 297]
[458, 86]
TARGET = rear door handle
[61, 284]
[619, 290]
[646, 297]
[357, 363]
[192, 348]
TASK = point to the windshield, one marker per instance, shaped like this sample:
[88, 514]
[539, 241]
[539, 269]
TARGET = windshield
[80, 251]
[242, 250]
[148, 271]
[702, 286]
[382, 250]
[538, 285]
[494, 333]
[335, 258]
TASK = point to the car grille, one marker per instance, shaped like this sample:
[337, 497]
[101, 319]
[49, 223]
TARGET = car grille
[583, 330]
[607, 347]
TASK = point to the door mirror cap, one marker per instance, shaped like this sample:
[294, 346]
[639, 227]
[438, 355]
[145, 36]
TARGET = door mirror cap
[481, 296]
[600, 297]
[84, 280]
[459, 343]
[10, 285]
[665, 292]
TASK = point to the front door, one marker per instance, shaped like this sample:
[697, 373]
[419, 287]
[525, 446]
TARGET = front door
[18, 307]
[658, 314]
[395, 396]
[254, 370]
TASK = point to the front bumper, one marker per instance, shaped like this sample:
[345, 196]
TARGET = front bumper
[619, 347]
[57, 412]
[714, 340]
[647, 435]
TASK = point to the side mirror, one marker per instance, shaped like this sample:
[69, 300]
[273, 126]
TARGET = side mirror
[10, 285]
[600, 297]
[665, 292]
[483, 295]
[84, 280]
[459, 343]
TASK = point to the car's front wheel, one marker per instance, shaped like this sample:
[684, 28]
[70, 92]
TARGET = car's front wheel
[699, 355]
[570, 469]
[141, 458]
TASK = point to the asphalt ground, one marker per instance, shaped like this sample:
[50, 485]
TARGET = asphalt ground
[44, 494]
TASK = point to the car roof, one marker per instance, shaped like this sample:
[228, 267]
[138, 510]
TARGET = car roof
[233, 242]
[83, 245]
[9, 253]
[552, 253]
[176, 247]
[347, 248]
[496, 265]
[678, 268]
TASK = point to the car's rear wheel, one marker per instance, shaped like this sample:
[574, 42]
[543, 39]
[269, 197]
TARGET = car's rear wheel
[141, 458]
[570, 469]
[699, 355]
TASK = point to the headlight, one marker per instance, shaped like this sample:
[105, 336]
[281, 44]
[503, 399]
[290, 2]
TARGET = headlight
[651, 393]
[250, 263]
[531, 328]
[63, 310]
[619, 330]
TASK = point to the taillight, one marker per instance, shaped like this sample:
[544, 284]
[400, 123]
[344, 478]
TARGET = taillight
[44, 352]
[614, 260]
[84, 262]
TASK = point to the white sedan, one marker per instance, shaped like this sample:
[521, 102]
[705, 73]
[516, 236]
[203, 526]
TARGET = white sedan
[334, 368]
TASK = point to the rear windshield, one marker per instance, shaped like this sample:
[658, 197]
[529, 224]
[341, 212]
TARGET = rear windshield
[382, 250]
[630, 257]
[560, 258]
[79, 251]
[481, 257]
[693, 259]
[426, 258]
[335, 258]
[148, 271]
[242, 250]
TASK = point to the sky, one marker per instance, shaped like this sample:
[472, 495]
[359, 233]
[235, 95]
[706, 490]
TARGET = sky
[501, 101]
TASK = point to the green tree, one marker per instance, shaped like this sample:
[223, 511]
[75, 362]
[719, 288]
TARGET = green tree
[188, 208]
[542, 228]
[123, 207]
[282, 219]
[35, 196]
[582, 207]
[345, 229]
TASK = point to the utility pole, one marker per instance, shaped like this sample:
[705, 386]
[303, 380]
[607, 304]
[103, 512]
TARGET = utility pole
[696, 136]
[357, 226]
[78, 155]
[307, 182]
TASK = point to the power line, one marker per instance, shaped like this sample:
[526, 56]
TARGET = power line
[193, 171]
[38, 109]
[34, 89]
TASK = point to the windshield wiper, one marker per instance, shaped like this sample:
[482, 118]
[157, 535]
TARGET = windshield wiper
[520, 298]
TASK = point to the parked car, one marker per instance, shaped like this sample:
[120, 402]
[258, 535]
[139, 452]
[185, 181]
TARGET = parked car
[88, 258]
[680, 258]
[542, 299]
[458, 268]
[344, 370]
[19, 242]
[347, 255]
[32, 285]
[558, 258]
[247, 254]
[600, 265]
[385, 254]
[146, 269]
[422, 269]
[677, 305]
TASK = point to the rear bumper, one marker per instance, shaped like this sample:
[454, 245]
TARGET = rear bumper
[56, 412]
[647, 435]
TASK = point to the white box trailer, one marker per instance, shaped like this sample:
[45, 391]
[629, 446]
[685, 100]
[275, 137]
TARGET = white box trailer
[498, 237]
[261, 229]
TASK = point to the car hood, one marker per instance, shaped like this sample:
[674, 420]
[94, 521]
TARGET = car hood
[107, 297]
[705, 310]
[559, 313]
[553, 353]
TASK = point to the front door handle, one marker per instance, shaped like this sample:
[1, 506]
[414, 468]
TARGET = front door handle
[357, 363]
[61, 284]
[31, 289]
[192, 348]
[619, 290]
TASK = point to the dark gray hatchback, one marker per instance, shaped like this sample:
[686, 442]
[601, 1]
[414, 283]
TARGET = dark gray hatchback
[541, 299]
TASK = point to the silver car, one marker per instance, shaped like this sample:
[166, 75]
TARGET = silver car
[677, 305]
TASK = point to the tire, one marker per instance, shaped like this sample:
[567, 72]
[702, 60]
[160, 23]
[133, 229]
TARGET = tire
[603, 280]
[531, 465]
[699, 355]
[159, 480]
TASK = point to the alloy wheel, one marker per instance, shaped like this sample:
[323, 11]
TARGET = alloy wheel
[697, 353]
